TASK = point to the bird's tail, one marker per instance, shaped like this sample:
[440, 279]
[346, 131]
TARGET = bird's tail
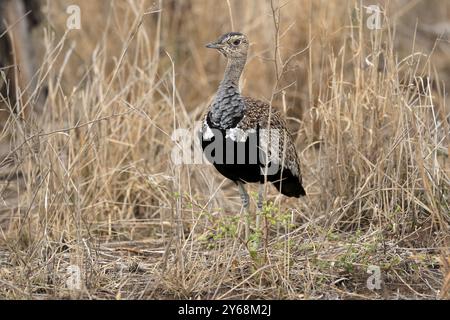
[289, 185]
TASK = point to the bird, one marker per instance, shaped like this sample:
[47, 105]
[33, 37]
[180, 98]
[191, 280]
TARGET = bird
[246, 139]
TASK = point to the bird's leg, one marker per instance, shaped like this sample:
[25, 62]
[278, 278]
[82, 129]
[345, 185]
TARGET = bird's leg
[245, 204]
[260, 204]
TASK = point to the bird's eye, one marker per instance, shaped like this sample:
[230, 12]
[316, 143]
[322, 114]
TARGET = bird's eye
[237, 42]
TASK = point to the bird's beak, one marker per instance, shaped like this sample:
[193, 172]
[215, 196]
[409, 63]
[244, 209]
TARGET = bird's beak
[212, 45]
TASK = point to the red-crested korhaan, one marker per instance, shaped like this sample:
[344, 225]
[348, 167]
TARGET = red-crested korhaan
[246, 139]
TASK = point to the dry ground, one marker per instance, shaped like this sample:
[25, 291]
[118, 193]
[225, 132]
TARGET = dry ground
[89, 184]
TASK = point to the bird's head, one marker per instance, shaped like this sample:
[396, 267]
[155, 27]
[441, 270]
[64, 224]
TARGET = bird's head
[233, 45]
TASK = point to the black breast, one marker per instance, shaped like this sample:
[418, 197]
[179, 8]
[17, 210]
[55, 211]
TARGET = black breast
[235, 157]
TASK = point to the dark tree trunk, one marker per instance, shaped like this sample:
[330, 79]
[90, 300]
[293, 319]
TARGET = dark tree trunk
[17, 59]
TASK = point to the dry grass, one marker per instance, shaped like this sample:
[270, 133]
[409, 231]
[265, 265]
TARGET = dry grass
[90, 183]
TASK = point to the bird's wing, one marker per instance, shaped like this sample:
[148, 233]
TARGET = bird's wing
[272, 129]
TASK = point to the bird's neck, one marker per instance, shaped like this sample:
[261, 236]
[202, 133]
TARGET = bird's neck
[228, 106]
[233, 71]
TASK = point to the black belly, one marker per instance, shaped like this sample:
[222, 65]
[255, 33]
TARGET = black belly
[244, 161]
[239, 161]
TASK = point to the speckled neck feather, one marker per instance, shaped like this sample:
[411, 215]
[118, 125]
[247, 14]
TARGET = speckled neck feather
[228, 106]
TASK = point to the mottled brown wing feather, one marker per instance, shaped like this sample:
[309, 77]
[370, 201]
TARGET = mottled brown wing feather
[257, 113]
